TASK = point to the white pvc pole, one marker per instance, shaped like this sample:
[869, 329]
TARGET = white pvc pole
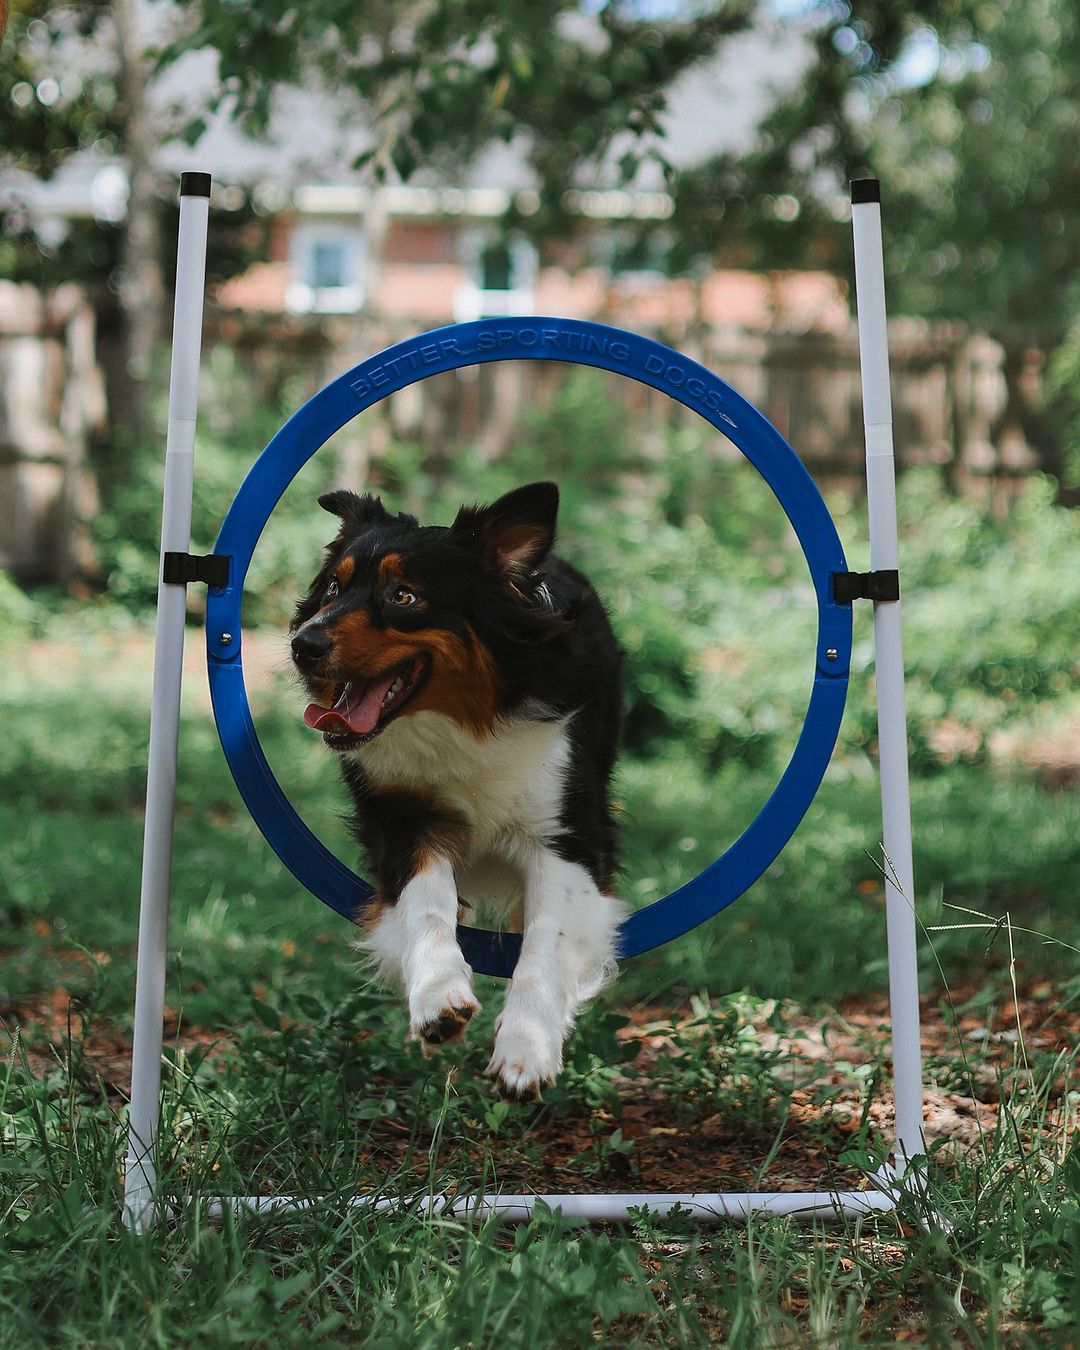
[889, 667]
[145, 1109]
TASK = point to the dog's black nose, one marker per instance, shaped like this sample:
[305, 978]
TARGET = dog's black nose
[310, 645]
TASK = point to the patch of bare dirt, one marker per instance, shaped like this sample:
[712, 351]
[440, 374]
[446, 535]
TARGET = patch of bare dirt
[661, 1144]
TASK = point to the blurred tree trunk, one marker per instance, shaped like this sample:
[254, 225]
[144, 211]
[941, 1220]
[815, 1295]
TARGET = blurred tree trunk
[141, 291]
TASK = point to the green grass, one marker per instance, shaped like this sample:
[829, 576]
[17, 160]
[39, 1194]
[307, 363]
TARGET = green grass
[301, 1110]
[72, 781]
[287, 1072]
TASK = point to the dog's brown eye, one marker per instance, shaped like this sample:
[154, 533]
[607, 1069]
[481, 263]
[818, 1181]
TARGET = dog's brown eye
[402, 596]
[332, 589]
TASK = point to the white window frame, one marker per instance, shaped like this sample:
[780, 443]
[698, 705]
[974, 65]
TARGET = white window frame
[302, 296]
[472, 300]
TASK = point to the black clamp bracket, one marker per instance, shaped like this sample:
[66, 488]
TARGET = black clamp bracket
[851, 586]
[179, 568]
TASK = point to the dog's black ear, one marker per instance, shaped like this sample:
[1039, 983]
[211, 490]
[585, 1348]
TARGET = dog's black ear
[353, 509]
[516, 532]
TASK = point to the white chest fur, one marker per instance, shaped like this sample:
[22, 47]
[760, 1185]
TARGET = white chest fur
[507, 786]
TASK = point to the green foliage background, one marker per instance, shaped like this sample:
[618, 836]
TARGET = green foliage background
[701, 572]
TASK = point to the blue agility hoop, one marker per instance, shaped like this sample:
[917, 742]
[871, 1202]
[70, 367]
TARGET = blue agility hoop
[575, 342]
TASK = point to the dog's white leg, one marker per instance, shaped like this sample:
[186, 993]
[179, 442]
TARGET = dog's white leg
[567, 955]
[415, 944]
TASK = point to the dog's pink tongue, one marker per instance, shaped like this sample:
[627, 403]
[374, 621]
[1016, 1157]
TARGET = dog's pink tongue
[357, 710]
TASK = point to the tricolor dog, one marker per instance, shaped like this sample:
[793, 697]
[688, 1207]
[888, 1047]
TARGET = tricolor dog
[469, 682]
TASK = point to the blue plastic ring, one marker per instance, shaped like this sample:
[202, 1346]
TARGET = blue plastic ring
[577, 343]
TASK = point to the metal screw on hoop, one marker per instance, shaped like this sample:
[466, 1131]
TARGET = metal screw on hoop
[225, 639]
[831, 654]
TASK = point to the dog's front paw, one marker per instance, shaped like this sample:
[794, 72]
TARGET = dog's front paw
[439, 1013]
[527, 1058]
[447, 1026]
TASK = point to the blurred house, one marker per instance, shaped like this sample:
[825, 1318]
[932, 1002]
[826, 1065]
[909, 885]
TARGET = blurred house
[351, 267]
[432, 250]
[438, 255]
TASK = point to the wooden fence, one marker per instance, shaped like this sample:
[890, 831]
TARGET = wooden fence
[961, 402]
[51, 403]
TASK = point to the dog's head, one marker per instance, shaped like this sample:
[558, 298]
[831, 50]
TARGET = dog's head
[405, 617]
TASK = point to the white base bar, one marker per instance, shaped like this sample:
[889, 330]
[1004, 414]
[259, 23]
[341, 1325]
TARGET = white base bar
[704, 1206]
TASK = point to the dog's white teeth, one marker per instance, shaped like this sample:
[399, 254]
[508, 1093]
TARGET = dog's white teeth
[394, 690]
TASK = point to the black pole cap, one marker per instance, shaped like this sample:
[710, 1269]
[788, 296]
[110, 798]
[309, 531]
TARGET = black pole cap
[194, 185]
[865, 190]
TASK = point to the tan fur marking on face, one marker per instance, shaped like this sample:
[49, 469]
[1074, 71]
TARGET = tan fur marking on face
[463, 684]
[391, 568]
[355, 639]
[364, 652]
[344, 571]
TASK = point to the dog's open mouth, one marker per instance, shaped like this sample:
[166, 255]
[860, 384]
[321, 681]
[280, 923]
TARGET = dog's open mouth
[361, 710]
